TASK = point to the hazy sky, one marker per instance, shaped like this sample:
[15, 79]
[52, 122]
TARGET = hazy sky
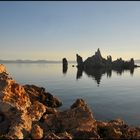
[53, 30]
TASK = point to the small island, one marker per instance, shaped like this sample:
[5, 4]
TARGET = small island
[95, 66]
[97, 61]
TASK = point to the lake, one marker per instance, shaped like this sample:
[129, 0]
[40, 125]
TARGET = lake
[110, 95]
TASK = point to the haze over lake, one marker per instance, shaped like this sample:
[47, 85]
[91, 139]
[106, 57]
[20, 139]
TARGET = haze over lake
[113, 97]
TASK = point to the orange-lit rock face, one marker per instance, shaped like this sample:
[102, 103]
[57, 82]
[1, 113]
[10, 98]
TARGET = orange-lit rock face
[2, 68]
[14, 103]
[77, 120]
[13, 93]
[37, 110]
[37, 132]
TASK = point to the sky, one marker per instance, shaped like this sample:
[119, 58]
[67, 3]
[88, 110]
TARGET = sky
[52, 30]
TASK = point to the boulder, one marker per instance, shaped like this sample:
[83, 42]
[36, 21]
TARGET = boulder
[20, 125]
[117, 129]
[78, 103]
[37, 132]
[39, 94]
[64, 135]
[2, 68]
[14, 103]
[77, 120]
[20, 106]
[13, 93]
[36, 111]
[50, 110]
[51, 136]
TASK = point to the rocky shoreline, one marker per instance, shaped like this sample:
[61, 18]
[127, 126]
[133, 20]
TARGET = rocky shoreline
[31, 112]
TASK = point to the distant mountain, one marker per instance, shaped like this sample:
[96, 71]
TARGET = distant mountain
[137, 61]
[32, 61]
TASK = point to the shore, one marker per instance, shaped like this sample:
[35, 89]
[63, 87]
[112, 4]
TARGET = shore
[31, 112]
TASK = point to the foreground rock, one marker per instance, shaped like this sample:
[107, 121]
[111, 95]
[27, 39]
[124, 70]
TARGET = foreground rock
[39, 94]
[31, 112]
[78, 121]
[21, 105]
[2, 68]
[117, 129]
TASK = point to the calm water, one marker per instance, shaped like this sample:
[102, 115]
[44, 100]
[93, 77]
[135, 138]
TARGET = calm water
[110, 95]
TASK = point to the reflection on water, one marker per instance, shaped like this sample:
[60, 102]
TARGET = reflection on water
[79, 73]
[64, 69]
[97, 74]
[117, 95]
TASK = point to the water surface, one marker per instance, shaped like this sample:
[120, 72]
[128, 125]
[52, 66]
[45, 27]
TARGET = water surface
[110, 95]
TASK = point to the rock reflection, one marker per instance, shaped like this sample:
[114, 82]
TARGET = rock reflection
[79, 73]
[96, 66]
[97, 73]
[64, 69]
[65, 65]
[121, 71]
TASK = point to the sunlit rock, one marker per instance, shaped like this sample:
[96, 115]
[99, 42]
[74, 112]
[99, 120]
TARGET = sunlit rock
[77, 120]
[39, 94]
[2, 68]
[37, 132]
[64, 135]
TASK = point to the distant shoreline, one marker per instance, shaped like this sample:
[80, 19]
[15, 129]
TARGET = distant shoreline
[32, 61]
[42, 61]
